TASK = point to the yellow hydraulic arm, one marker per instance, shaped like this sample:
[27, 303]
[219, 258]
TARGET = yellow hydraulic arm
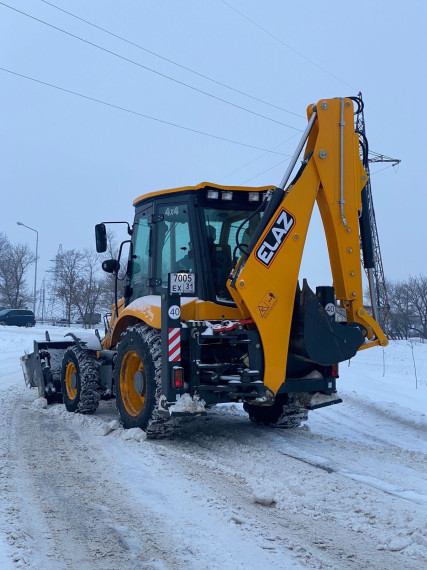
[265, 280]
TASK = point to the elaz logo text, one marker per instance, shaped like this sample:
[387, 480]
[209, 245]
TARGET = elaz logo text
[275, 237]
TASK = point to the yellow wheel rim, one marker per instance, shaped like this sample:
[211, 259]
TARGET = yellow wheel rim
[70, 371]
[133, 399]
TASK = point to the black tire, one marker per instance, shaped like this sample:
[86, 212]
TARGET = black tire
[3, 323]
[279, 415]
[137, 380]
[80, 381]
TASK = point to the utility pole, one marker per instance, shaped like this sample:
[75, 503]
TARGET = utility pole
[43, 298]
[380, 303]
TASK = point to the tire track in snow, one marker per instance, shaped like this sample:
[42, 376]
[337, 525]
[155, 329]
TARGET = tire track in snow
[352, 507]
[66, 512]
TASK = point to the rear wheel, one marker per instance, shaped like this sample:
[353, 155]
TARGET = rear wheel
[80, 381]
[137, 380]
[281, 414]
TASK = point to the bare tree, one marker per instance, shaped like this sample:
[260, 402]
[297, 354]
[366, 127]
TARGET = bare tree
[417, 293]
[408, 306]
[400, 308]
[91, 287]
[66, 276]
[14, 261]
[4, 246]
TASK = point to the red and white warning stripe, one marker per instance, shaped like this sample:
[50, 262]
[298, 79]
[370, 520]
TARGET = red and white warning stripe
[174, 344]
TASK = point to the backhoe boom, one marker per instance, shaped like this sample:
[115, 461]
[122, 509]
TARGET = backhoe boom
[265, 281]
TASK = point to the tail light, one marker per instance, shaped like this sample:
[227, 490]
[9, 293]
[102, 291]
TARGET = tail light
[334, 371]
[178, 377]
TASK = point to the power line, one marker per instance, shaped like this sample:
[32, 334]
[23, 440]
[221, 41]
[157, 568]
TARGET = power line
[385, 168]
[139, 46]
[87, 97]
[133, 62]
[264, 171]
[285, 44]
[254, 160]
[377, 157]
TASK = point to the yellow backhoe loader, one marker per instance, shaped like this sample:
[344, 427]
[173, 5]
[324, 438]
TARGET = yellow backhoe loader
[213, 310]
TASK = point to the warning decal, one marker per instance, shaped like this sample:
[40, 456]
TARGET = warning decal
[266, 304]
[174, 344]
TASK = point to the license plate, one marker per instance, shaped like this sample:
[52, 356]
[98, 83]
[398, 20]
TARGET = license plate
[182, 283]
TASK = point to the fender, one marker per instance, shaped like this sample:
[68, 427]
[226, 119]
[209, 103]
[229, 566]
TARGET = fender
[86, 340]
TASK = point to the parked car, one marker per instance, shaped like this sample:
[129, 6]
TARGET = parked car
[17, 317]
[61, 323]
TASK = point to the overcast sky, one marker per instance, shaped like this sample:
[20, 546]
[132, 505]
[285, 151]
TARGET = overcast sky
[68, 162]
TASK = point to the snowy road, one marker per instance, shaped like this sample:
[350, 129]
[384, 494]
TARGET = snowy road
[347, 490]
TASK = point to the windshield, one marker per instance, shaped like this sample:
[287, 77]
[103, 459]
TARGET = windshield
[228, 234]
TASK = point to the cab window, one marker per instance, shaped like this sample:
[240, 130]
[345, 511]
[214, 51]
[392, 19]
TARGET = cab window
[228, 233]
[140, 257]
[173, 237]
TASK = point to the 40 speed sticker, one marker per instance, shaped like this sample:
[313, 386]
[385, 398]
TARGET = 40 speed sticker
[174, 312]
[330, 309]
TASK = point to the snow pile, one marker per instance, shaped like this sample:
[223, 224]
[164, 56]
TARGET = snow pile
[188, 405]
[107, 427]
[40, 403]
[136, 434]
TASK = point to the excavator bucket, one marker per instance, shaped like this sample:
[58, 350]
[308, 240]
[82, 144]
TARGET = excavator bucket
[327, 341]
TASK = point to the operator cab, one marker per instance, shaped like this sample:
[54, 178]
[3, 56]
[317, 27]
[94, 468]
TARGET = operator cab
[202, 230]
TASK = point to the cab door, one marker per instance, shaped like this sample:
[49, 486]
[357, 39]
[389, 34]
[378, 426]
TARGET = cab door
[140, 261]
[174, 246]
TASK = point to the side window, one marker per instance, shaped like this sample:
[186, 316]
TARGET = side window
[175, 251]
[140, 258]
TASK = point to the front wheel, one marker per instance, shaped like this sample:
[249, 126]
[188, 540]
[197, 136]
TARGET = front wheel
[137, 379]
[80, 381]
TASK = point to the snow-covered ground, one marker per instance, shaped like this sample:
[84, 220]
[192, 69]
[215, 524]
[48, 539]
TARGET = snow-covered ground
[346, 490]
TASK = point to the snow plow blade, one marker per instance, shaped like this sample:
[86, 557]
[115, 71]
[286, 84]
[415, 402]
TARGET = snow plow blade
[42, 368]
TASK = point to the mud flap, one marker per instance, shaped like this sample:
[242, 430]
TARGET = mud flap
[326, 341]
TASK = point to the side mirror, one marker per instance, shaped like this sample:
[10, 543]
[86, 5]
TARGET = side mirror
[101, 238]
[111, 266]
